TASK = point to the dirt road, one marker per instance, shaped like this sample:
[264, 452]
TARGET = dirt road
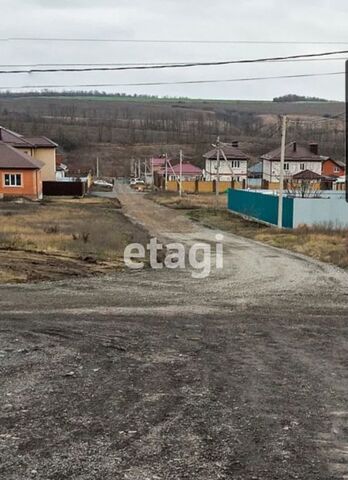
[156, 375]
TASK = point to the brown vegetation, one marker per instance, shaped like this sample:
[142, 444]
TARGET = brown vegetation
[117, 128]
[320, 242]
[62, 237]
[323, 243]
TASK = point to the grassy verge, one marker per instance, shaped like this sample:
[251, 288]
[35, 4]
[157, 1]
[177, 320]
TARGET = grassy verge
[320, 243]
[74, 236]
[187, 202]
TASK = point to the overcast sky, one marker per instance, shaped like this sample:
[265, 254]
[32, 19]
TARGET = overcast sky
[275, 20]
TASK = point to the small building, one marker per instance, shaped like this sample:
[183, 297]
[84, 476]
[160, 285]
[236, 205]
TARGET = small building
[39, 148]
[20, 174]
[188, 172]
[61, 171]
[233, 164]
[298, 158]
[157, 163]
[333, 168]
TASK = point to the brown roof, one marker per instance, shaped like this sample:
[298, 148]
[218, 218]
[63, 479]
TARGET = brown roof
[293, 153]
[17, 140]
[7, 136]
[232, 153]
[11, 158]
[307, 175]
[40, 141]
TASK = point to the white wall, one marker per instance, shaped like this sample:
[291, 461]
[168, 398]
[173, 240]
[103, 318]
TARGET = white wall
[316, 211]
[271, 170]
[227, 172]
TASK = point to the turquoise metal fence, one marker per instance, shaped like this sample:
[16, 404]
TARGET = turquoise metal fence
[261, 206]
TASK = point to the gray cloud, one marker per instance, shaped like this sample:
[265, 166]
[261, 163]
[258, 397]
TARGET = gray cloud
[310, 20]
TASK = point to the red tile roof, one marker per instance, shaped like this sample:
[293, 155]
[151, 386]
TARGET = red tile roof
[157, 161]
[11, 158]
[187, 169]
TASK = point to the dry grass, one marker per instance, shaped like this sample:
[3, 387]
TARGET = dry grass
[91, 230]
[322, 242]
[188, 202]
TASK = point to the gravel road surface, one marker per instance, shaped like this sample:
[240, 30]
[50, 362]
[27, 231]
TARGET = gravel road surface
[157, 375]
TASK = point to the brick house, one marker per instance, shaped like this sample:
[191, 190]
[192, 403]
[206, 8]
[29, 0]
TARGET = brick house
[39, 148]
[333, 168]
[20, 174]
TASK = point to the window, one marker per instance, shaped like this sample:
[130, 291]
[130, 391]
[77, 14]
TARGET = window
[13, 180]
[337, 169]
[235, 164]
[287, 166]
[302, 166]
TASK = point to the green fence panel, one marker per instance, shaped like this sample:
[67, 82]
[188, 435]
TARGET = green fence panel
[261, 206]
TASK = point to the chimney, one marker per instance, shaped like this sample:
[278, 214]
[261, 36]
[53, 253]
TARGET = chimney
[314, 148]
[235, 144]
[295, 146]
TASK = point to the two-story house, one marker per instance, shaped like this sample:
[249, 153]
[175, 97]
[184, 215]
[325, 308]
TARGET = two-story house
[298, 158]
[333, 168]
[233, 167]
[39, 148]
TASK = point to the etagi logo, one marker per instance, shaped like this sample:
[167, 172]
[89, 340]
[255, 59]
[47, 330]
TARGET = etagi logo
[200, 256]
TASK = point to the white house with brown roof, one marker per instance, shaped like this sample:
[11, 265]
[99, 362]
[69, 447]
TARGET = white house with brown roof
[298, 159]
[234, 167]
[39, 148]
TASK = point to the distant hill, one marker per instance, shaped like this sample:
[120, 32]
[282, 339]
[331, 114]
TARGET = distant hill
[298, 98]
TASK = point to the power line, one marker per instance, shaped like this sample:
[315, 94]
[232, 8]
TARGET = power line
[166, 41]
[178, 65]
[184, 82]
[114, 64]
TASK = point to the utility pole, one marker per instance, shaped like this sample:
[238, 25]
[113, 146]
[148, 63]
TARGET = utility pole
[139, 168]
[97, 167]
[217, 171]
[145, 170]
[281, 176]
[166, 175]
[180, 175]
[152, 172]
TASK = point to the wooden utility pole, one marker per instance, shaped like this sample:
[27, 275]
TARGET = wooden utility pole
[166, 174]
[139, 168]
[217, 171]
[145, 170]
[180, 175]
[152, 172]
[97, 167]
[281, 175]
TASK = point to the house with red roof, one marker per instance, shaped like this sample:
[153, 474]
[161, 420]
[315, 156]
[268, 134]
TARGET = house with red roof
[156, 163]
[187, 172]
[20, 174]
